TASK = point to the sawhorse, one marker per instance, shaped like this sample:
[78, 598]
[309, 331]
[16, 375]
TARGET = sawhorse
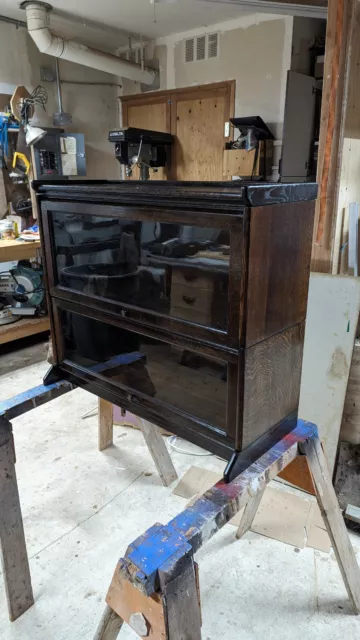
[152, 437]
[155, 588]
[12, 541]
[14, 556]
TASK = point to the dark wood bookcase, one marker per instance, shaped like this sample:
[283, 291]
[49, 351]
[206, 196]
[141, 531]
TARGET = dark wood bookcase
[182, 302]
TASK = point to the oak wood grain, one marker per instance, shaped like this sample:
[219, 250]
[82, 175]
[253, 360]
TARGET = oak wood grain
[271, 381]
[279, 268]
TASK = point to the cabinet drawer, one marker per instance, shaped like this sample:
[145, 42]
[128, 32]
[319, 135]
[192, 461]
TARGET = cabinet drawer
[192, 297]
[192, 278]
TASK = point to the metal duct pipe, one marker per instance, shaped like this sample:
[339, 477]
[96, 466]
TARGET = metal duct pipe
[37, 15]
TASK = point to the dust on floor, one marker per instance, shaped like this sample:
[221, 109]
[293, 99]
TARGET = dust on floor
[82, 508]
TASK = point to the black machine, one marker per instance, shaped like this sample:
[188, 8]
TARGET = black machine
[142, 147]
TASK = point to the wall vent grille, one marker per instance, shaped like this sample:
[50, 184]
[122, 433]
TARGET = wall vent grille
[213, 45]
[190, 50]
[200, 48]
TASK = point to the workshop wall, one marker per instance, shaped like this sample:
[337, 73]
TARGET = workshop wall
[255, 50]
[94, 108]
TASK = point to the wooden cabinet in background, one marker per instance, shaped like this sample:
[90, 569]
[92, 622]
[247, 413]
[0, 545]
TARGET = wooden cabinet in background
[196, 116]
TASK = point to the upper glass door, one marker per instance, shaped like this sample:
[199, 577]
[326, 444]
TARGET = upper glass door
[177, 270]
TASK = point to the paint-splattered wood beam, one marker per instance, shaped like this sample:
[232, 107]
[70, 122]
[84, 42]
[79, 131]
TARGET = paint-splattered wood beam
[155, 588]
[32, 398]
[192, 528]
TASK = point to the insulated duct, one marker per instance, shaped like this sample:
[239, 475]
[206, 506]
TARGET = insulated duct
[37, 16]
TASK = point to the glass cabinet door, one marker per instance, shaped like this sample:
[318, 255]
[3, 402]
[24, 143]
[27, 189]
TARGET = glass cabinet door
[177, 377]
[177, 270]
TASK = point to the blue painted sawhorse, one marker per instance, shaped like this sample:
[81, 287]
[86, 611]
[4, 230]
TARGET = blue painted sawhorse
[12, 540]
[155, 588]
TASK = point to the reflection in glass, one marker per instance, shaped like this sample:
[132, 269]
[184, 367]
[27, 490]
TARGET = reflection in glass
[177, 270]
[181, 378]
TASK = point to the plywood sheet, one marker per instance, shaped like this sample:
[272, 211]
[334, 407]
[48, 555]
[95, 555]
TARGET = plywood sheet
[332, 316]
[196, 481]
[281, 516]
[199, 142]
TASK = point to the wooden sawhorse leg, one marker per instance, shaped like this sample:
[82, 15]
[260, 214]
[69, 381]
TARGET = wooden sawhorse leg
[335, 525]
[155, 587]
[152, 436]
[249, 514]
[15, 561]
[110, 625]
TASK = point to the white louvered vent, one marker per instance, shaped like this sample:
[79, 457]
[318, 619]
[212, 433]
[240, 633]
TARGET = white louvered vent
[201, 48]
[213, 45]
[190, 50]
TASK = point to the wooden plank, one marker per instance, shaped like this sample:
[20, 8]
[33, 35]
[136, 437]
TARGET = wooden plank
[349, 187]
[14, 556]
[18, 250]
[159, 453]
[334, 522]
[23, 328]
[336, 76]
[249, 514]
[105, 424]
[333, 311]
[109, 626]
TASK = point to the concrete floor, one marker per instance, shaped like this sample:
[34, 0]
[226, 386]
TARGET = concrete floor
[81, 508]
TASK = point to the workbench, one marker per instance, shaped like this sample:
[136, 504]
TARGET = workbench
[11, 250]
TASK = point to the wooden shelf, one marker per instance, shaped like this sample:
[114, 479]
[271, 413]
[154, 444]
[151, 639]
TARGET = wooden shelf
[18, 250]
[23, 328]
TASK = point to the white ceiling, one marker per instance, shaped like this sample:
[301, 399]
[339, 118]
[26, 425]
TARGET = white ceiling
[134, 16]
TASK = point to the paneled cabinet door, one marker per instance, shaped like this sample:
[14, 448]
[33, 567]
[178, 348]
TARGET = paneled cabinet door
[196, 116]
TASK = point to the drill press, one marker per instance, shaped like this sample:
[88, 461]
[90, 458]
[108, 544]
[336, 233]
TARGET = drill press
[143, 148]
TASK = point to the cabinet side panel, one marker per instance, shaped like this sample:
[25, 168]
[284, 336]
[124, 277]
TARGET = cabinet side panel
[271, 381]
[279, 268]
